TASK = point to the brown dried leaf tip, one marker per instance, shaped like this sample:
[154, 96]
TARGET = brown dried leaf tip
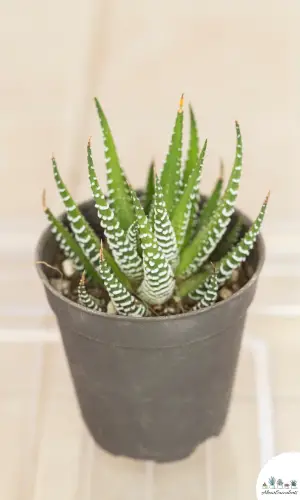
[82, 279]
[44, 205]
[267, 197]
[181, 104]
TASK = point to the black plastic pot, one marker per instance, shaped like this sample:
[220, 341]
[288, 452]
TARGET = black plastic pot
[151, 388]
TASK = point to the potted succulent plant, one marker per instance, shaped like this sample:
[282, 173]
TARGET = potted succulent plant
[152, 298]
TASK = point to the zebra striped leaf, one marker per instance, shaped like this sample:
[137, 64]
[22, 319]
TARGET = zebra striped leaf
[83, 233]
[118, 194]
[123, 250]
[68, 245]
[125, 303]
[183, 211]
[85, 299]
[150, 188]
[207, 239]
[170, 177]
[210, 206]
[210, 292]
[158, 283]
[193, 151]
[163, 229]
[238, 254]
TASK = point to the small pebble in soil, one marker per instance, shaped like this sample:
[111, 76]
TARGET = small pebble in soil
[68, 268]
[235, 275]
[235, 287]
[61, 285]
[168, 310]
[225, 293]
[111, 308]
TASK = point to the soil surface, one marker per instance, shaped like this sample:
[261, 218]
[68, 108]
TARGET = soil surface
[67, 286]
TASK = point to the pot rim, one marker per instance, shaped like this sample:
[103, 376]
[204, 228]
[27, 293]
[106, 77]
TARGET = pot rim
[44, 237]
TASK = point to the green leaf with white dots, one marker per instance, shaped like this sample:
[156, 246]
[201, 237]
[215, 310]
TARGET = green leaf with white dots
[70, 248]
[182, 212]
[125, 303]
[170, 176]
[236, 256]
[150, 188]
[211, 204]
[163, 228]
[158, 283]
[87, 300]
[207, 238]
[124, 252]
[116, 180]
[83, 233]
[193, 151]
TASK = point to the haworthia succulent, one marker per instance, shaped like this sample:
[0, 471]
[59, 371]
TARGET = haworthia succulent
[117, 185]
[163, 229]
[207, 239]
[150, 188]
[182, 213]
[170, 176]
[123, 250]
[83, 233]
[159, 243]
[239, 253]
[85, 299]
[193, 151]
[68, 245]
[124, 302]
[212, 202]
[158, 282]
[210, 292]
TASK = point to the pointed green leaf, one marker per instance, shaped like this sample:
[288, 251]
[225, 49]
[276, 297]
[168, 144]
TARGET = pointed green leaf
[163, 229]
[117, 271]
[238, 254]
[200, 217]
[207, 239]
[69, 246]
[190, 284]
[211, 204]
[193, 222]
[241, 250]
[150, 188]
[124, 253]
[210, 292]
[83, 233]
[124, 302]
[117, 186]
[87, 300]
[158, 282]
[182, 212]
[229, 239]
[171, 172]
[193, 151]
[132, 235]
